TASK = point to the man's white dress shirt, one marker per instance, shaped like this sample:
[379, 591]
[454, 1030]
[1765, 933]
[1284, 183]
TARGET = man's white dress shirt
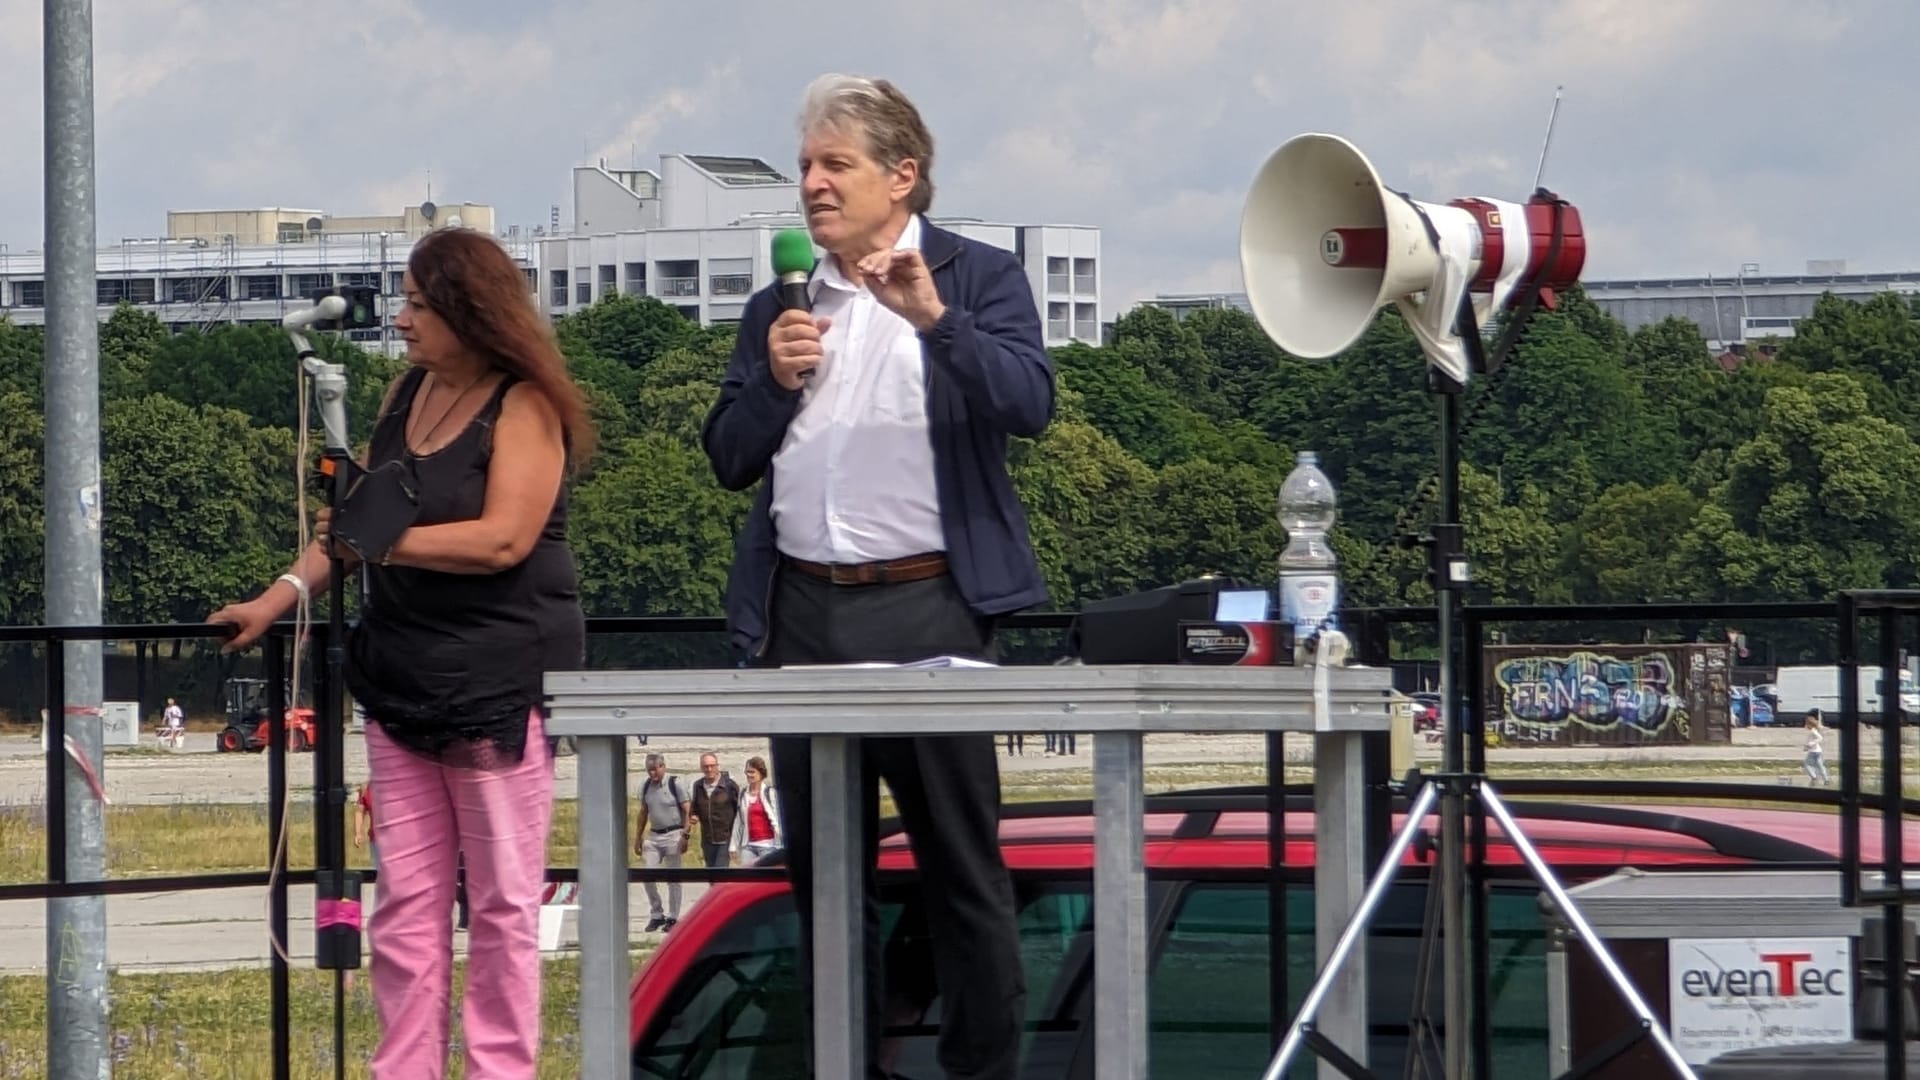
[853, 479]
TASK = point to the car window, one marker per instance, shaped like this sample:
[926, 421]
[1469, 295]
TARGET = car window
[737, 1012]
[1207, 1003]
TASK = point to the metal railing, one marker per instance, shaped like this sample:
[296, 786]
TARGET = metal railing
[1891, 611]
[59, 884]
[730, 284]
[329, 802]
[1373, 630]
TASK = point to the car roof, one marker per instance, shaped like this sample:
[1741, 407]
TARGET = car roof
[1590, 834]
[1225, 830]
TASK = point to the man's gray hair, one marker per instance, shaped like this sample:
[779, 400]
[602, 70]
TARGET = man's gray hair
[656, 759]
[877, 110]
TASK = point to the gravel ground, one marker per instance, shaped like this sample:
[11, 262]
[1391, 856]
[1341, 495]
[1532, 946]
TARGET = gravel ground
[199, 773]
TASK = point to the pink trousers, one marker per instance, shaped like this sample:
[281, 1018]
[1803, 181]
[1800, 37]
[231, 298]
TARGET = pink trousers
[426, 815]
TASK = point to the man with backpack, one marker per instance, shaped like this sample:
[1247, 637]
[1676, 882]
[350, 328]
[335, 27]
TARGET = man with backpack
[660, 837]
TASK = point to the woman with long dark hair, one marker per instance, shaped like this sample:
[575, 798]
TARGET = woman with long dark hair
[464, 613]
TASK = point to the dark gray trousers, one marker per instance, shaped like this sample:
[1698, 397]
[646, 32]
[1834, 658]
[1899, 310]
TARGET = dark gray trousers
[947, 789]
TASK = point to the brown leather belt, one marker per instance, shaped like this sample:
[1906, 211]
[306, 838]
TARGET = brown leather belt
[888, 572]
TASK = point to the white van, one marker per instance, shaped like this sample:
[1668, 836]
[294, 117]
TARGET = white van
[1818, 687]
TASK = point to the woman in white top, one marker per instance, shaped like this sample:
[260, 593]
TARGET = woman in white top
[756, 829]
[1816, 768]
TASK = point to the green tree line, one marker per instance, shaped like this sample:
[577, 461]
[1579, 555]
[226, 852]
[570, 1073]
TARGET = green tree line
[1600, 465]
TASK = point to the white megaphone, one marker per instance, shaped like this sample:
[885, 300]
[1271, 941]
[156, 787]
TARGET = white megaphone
[1324, 245]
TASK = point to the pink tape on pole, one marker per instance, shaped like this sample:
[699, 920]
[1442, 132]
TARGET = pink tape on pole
[86, 770]
[331, 913]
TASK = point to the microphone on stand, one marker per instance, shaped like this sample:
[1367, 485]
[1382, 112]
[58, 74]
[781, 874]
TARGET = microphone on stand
[326, 309]
[793, 263]
[329, 380]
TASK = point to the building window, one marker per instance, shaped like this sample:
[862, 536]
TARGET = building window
[292, 232]
[690, 311]
[369, 279]
[1083, 277]
[307, 286]
[582, 286]
[396, 283]
[1057, 278]
[1059, 325]
[194, 290]
[1086, 323]
[260, 287]
[30, 294]
[109, 291]
[636, 279]
[557, 279]
[609, 286]
[730, 277]
[677, 278]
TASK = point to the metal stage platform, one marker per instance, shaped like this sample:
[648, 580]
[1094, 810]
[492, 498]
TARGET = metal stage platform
[835, 705]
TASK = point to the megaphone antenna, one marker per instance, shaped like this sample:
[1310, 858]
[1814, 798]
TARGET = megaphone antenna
[1552, 115]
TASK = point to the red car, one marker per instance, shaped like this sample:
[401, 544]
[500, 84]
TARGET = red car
[720, 998]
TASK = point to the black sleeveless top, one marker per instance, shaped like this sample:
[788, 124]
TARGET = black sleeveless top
[450, 665]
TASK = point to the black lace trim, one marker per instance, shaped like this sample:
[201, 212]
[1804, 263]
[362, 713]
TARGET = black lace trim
[491, 735]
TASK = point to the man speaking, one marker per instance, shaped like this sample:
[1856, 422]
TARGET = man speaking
[888, 528]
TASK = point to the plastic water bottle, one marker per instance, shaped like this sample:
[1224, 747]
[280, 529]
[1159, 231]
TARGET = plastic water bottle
[1309, 570]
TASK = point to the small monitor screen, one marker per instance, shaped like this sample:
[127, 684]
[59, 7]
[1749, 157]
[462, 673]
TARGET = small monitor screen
[1241, 605]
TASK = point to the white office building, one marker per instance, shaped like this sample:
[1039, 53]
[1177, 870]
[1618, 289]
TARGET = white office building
[697, 235]
[1730, 310]
[251, 266]
[1744, 308]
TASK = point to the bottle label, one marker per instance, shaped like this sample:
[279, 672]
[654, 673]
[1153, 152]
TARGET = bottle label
[1308, 600]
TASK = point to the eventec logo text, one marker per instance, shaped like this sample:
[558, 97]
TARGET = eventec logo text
[1783, 974]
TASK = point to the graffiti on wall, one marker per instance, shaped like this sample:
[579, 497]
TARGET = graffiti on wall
[1637, 693]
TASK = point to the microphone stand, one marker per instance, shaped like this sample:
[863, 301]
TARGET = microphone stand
[336, 890]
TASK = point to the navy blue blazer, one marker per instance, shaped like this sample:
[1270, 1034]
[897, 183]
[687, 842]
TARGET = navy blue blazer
[988, 377]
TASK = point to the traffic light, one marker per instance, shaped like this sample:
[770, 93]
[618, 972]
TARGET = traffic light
[363, 308]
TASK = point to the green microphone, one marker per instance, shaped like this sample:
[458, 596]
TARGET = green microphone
[792, 266]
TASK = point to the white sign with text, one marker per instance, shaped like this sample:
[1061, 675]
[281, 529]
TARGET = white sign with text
[1734, 993]
[119, 724]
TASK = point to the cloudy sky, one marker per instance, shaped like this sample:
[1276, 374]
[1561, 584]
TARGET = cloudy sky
[1695, 135]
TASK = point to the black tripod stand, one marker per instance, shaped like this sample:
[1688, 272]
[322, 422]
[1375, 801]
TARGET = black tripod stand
[1455, 786]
